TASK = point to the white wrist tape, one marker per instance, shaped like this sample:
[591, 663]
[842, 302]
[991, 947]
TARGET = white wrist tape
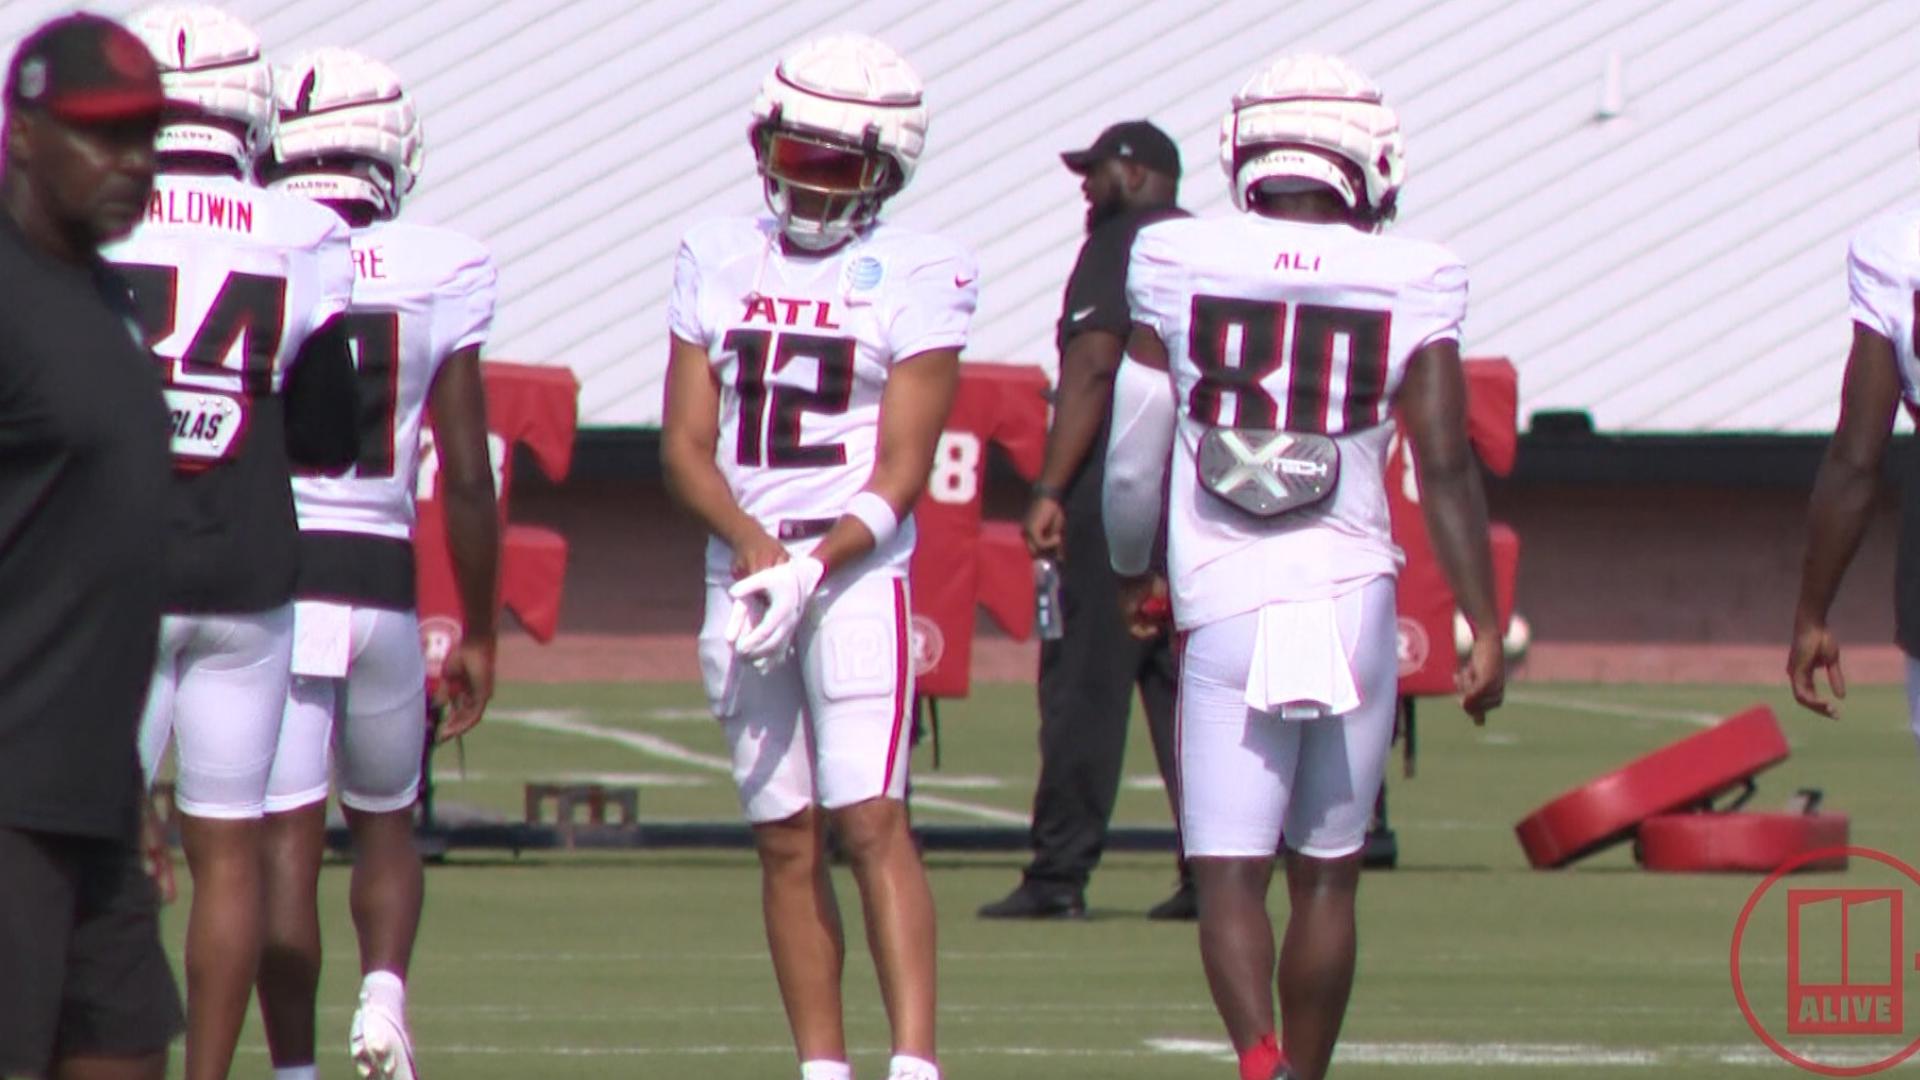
[876, 514]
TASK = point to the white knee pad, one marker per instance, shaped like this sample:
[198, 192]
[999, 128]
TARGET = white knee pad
[858, 671]
[228, 682]
[382, 740]
[302, 760]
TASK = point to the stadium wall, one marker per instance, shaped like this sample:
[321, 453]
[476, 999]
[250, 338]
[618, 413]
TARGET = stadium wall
[1643, 561]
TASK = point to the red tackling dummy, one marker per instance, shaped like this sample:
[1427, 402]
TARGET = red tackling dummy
[1683, 774]
[527, 405]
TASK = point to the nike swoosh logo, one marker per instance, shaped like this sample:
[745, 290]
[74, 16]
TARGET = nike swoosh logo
[962, 282]
[1081, 314]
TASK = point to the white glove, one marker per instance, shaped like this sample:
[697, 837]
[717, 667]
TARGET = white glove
[768, 606]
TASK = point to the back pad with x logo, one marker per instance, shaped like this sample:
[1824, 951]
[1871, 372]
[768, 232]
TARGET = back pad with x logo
[1267, 473]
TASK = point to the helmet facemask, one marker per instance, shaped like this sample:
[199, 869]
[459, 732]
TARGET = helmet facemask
[838, 127]
[822, 190]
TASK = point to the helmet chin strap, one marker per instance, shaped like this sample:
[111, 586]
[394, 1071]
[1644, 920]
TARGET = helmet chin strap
[819, 239]
[809, 234]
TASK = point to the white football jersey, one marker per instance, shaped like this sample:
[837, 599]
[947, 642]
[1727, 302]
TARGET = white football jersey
[1883, 277]
[420, 294]
[230, 281]
[802, 348]
[1302, 328]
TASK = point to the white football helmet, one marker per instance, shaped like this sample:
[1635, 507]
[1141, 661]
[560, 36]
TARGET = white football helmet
[218, 85]
[840, 122]
[1301, 104]
[348, 131]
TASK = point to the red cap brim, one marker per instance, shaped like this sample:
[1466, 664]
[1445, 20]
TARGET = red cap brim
[94, 106]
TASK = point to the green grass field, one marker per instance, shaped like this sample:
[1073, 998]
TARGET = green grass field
[652, 963]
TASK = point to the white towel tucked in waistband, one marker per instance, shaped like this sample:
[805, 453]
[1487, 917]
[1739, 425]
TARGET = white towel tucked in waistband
[1299, 667]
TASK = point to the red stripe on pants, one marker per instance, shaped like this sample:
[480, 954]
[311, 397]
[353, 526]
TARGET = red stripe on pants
[902, 676]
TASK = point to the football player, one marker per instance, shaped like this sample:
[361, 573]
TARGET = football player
[1279, 344]
[815, 353]
[240, 293]
[349, 137]
[1883, 280]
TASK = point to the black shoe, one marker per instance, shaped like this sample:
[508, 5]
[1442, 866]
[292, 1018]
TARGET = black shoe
[1033, 901]
[1182, 905]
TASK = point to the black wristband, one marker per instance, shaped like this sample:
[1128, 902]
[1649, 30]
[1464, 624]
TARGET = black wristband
[1048, 491]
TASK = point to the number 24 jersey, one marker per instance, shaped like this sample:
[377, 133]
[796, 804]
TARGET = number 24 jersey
[230, 282]
[1297, 327]
[802, 346]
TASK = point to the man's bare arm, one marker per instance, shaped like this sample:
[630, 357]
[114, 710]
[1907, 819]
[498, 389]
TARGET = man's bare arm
[458, 404]
[913, 410]
[1433, 403]
[690, 432]
[1843, 494]
[1080, 403]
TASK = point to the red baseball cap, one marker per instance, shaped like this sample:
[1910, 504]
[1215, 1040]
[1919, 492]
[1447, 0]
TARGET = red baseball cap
[85, 69]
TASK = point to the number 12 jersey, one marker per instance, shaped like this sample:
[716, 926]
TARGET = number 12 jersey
[802, 346]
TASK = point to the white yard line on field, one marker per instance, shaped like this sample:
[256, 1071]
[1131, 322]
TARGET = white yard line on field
[1417, 1055]
[1609, 708]
[567, 722]
[1550, 1055]
[956, 782]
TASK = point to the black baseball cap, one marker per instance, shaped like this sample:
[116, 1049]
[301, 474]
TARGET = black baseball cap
[1137, 141]
[85, 69]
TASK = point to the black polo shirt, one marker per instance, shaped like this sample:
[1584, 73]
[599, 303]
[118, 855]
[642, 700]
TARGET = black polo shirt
[85, 477]
[1096, 299]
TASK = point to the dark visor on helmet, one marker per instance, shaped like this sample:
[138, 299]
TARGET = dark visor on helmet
[809, 163]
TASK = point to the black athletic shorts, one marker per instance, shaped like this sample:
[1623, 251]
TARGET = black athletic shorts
[80, 948]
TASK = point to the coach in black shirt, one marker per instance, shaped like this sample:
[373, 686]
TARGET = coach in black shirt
[84, 474]
[1087, 678]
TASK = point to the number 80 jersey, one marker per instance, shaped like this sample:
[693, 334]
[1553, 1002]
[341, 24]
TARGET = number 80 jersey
[802, 346]
[1297, 327]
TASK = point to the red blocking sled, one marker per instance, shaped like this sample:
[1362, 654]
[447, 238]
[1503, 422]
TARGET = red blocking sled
[1687, 774]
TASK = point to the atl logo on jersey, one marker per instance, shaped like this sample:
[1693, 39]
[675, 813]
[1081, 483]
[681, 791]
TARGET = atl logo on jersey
[769, 309]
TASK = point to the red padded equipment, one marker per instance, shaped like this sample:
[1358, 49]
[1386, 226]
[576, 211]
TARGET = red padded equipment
[531, 406]
[960, 563]
[1741, 842]
[1687, 773]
